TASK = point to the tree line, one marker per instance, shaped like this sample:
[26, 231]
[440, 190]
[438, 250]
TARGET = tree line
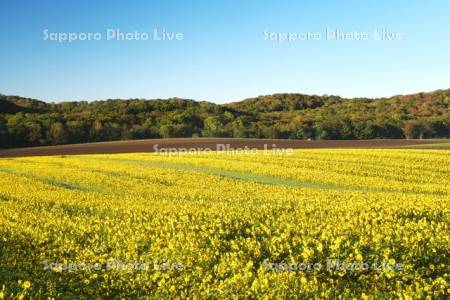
[29, 122]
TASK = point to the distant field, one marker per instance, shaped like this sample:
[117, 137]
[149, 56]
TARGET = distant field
[317, 223]
[136, 146]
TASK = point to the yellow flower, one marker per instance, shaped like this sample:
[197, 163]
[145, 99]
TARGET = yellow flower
[26, 284]
[240, 226]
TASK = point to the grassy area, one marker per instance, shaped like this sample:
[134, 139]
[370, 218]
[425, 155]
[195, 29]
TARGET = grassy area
[438, 144]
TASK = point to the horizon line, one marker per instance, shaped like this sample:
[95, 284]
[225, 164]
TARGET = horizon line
[230, 102]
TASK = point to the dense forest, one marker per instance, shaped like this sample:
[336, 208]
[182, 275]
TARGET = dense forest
[29, 122]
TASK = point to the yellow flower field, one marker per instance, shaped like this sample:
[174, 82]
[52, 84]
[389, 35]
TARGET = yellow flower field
[318, 223]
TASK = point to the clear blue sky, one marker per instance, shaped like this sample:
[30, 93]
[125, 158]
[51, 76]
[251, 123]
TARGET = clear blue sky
[223, 56]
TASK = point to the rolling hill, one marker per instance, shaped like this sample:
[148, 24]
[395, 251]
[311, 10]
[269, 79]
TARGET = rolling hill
[29, 122]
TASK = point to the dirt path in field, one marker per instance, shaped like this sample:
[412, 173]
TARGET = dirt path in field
[205, 143]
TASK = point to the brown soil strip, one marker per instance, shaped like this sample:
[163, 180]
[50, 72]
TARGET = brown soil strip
[209, 143]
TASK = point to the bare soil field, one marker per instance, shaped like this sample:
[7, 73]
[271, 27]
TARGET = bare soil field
[213, 144]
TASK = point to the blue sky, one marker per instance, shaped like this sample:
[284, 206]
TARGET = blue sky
[223, 55]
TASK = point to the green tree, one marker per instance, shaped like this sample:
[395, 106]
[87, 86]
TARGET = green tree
[213, 126]
[58, 133]
[416, 129]
[34, 134]
[17, 131]
[175, 131]
[4, 143]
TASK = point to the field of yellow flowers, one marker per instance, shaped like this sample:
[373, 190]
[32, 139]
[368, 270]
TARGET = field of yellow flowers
[318, 223]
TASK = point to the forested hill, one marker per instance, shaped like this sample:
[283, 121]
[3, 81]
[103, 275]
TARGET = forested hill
[28, 122]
